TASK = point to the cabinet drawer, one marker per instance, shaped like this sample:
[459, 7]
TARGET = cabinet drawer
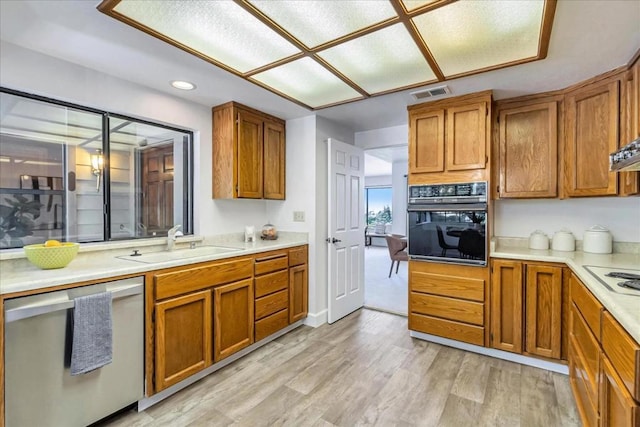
[623, 352]
[270, 263]
[586, 348]
[272, 303]
[206, 276]
[271, 324]
[587, 304]
[446, 328]
[587, 408]
[447, 308]
[270, 283]
[449, 286]
[297, 256]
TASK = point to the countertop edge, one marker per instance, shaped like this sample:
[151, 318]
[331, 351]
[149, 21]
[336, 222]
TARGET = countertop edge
[576, 261]
[83, 271]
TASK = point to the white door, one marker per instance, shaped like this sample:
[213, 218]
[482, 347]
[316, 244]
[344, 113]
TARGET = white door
[346, 229]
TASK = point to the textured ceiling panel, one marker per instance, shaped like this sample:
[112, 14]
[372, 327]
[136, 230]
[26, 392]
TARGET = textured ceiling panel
[221, 30]
[471, 35]
[308, 82]
[315, 22]
[381, 61]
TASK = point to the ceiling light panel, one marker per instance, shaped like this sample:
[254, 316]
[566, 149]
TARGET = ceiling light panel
[220, 30]
[411, 5]
[383, 60]
[471, 35]
[315, 22]
[308, 82]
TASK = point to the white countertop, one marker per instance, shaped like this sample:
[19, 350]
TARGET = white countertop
[18, 275]
[623, 305]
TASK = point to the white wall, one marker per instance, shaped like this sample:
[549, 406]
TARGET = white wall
[378, 181]
[518, 218]
[384, 137]
[32, 72]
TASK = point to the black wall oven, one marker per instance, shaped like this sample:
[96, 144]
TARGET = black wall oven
[448, 223]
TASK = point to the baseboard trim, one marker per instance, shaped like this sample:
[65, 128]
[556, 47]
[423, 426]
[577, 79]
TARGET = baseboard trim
[317, 319]
[147, 402]
[499, 354]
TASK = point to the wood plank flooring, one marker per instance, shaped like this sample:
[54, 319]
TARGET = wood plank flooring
[365, 370]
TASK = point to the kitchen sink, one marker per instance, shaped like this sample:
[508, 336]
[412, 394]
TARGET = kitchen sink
[165, 256]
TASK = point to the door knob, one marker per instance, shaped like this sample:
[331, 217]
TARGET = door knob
[334, 240]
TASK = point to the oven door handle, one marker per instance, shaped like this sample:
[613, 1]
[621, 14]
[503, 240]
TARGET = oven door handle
[458, 207]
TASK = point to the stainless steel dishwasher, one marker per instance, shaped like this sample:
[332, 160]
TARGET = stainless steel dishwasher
[39, 389]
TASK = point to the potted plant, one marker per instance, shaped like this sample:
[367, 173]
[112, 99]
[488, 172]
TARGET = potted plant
[17, 219]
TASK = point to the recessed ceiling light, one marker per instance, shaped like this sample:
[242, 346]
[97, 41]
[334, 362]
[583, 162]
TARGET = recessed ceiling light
[179, 84]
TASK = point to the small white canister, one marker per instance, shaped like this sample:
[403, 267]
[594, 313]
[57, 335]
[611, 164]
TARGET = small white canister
[538, 240]
[597, 240]
[563, 240]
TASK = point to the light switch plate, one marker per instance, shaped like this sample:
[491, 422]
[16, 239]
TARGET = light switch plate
[298, 216]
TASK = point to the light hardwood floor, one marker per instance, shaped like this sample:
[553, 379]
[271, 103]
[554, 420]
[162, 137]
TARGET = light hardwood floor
[365, 370]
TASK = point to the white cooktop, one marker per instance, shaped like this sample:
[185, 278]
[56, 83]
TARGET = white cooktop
[612, 282]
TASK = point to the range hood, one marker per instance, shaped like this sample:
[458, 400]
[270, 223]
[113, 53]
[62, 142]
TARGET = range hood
[627, 158]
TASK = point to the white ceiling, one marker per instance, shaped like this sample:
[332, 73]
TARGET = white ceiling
[379, 161]
[589, 37]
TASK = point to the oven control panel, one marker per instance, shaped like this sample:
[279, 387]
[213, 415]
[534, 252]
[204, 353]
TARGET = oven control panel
[468, 192]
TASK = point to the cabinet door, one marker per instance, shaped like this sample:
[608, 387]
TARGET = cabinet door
[617, 407]
[506, 305]
[466, 137]
[233, 318]
[543, 310]
[274, 161]
[635, 102]
[183, 331]
[426, 142]
[529, 151]
[250, 137]
[591, 134]
[298, 293]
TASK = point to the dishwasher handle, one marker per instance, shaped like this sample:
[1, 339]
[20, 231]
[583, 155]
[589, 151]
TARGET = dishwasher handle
[33, 310]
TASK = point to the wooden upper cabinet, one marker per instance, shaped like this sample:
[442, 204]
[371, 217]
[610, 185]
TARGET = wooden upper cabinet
[592, 132]
[250, 144]
[543, 310]
[466, 137]
[635, 101]
[507, 291]
[248, 153]
[274, 161]
[426, 142]
[183, 331]
[528, 142]
[448, 139]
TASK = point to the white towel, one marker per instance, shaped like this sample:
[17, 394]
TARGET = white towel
[92, 346]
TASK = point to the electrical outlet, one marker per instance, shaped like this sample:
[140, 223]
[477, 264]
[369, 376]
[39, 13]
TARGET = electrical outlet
[298, 216]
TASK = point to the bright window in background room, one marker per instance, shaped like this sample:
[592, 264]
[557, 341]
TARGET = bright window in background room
[379, 201]
[78, 174]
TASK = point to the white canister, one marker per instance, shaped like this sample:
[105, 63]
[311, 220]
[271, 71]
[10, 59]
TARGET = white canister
[249, 234]
[563, 240]
[538, 240]
[597, 240]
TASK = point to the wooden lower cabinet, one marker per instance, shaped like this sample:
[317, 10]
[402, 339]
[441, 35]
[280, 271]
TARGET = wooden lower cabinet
[233, 318]
[183, 331]
[617, 407]
[448, 301]
[527, 308]
[298, 293]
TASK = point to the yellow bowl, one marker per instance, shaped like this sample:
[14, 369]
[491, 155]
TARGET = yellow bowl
[51, 257]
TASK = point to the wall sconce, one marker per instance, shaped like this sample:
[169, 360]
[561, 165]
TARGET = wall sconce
[97, 164]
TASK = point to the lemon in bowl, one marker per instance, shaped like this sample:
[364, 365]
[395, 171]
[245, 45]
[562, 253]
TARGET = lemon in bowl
[51, 254]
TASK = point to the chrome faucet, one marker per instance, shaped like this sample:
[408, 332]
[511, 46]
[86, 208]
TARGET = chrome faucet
[172, 234]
